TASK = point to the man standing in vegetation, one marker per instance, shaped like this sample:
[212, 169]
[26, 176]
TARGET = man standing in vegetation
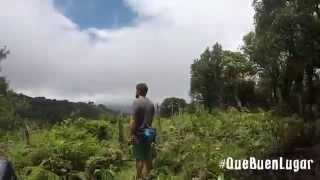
[139, 131]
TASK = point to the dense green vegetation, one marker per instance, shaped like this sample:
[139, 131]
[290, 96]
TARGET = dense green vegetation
[53, 111]
[189, 145]
[277, 67]
[223, 78]
[18, 109]
[172, 106]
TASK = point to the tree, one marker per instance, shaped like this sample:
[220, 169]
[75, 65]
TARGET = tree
[263, 51]
[3, 86]
[4, 53]
[6, 111]
[292, 32]
[3, 83]
[219, 77]
[172, 106]
[206, 77]
[237, 70]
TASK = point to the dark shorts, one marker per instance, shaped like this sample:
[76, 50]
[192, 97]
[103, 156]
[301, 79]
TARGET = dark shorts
[142, 151]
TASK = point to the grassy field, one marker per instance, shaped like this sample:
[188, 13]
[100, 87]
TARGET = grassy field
[188, 146]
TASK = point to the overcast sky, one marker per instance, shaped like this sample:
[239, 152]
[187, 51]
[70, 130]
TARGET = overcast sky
[98, 50]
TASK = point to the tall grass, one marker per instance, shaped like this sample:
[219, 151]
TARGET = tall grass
[188, 146]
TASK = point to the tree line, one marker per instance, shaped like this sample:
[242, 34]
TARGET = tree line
[17, 109]
[277, 67]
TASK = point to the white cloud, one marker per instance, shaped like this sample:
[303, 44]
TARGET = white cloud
[52, 57]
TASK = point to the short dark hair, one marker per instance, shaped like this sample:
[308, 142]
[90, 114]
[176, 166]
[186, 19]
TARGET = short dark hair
[142, 88]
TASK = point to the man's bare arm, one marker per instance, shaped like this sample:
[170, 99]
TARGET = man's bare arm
[132, 126]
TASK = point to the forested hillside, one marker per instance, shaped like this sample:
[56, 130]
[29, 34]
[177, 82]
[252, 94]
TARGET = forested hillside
[18, 109]
[53, 111]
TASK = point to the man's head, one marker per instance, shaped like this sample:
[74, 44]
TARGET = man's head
[142, 90]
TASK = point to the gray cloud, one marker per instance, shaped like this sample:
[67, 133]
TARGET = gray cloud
[52, 57]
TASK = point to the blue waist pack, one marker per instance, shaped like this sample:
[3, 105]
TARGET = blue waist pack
[146, 135]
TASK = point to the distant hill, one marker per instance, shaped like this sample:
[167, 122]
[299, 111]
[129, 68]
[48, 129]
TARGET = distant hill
[123, 109]
[52, 110]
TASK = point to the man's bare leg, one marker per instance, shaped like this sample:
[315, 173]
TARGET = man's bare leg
[139, 167]
[147, 167]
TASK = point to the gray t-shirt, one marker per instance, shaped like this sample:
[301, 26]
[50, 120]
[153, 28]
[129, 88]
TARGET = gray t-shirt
[143, 112]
